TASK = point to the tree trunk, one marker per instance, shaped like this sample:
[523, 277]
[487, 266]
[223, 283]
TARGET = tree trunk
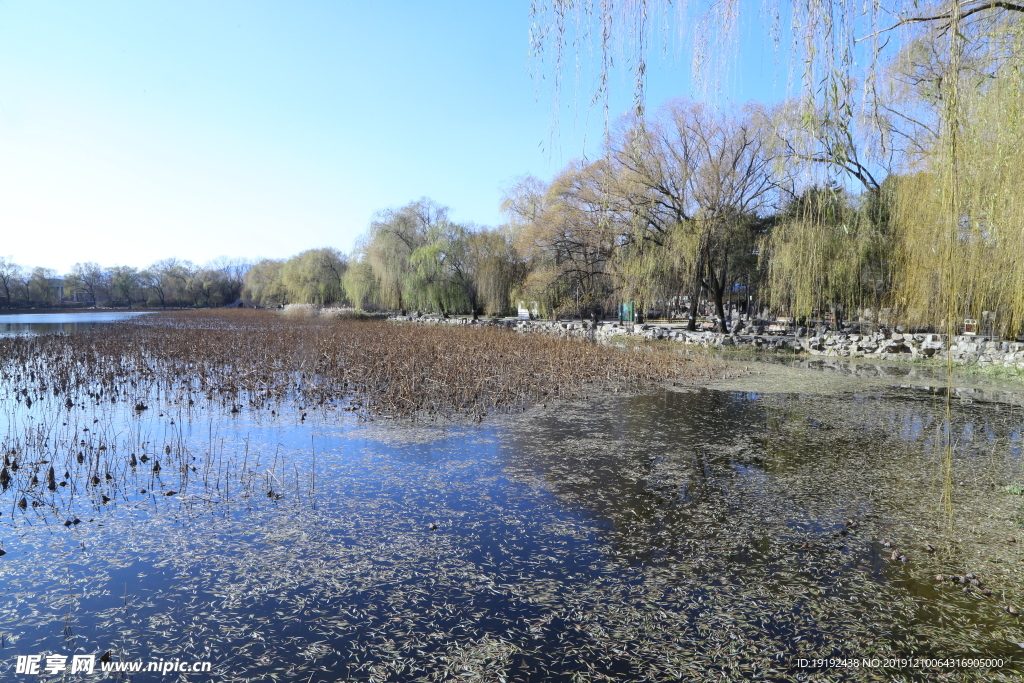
[717, 287]
[837, 313]
[695, 301]
[720, 311]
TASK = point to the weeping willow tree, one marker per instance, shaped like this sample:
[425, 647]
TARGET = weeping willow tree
[361, 287]
[263, 285]
[494, 268]
[432, 283]
[961, 217]
[415, 257]
[649, 272]
[439, 279]
[315, 277]
[394, 235]
[827, 255]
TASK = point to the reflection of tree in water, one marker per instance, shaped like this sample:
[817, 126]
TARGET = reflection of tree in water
[680, 475]
[839, 432]
[655, 469]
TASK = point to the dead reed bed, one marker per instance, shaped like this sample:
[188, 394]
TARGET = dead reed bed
[375, 368]
[66, 397]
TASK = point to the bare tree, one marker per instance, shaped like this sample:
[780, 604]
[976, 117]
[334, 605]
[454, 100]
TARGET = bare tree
[90, 278]
[566, 236]
[700, 177]
[9, 274]
[124, 283]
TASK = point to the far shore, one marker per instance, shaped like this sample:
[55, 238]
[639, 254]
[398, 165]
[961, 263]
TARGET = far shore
[88, 309]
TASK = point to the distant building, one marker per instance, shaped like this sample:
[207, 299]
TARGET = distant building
[62, 292]
[57, 287]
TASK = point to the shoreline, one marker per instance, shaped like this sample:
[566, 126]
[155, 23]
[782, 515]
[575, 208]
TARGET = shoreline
[968, 350]
[77, 310]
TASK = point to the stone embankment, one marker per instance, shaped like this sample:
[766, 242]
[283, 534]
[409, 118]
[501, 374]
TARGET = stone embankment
[880, 345]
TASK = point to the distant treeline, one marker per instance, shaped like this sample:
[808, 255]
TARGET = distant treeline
[167, 283]
[410, 258]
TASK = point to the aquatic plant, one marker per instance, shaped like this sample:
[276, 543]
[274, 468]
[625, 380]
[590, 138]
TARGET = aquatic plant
[257, 358]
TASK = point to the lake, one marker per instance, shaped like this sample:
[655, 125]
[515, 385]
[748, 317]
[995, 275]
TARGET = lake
[60, 323]
[723, 532]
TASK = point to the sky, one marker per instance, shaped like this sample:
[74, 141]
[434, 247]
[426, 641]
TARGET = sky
[136, 131]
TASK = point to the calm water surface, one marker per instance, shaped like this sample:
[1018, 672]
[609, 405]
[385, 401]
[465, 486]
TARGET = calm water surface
[697, 535]
[59, 323]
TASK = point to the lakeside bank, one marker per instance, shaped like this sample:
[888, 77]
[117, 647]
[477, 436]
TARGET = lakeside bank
[886, 345]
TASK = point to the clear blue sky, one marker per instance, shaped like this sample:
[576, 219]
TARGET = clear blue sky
[135, 131]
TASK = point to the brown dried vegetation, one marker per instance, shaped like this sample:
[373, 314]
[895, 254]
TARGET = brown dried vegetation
[56, 452]
[258, 358]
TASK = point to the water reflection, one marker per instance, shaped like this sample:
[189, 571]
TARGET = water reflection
[670, 532]
[795, 489]
[60, 323]
[646, 465]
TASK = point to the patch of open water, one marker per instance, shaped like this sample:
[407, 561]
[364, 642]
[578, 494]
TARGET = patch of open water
[60, 323]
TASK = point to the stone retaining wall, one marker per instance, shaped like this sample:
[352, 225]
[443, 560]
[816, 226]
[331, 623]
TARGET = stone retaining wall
[882, 345]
